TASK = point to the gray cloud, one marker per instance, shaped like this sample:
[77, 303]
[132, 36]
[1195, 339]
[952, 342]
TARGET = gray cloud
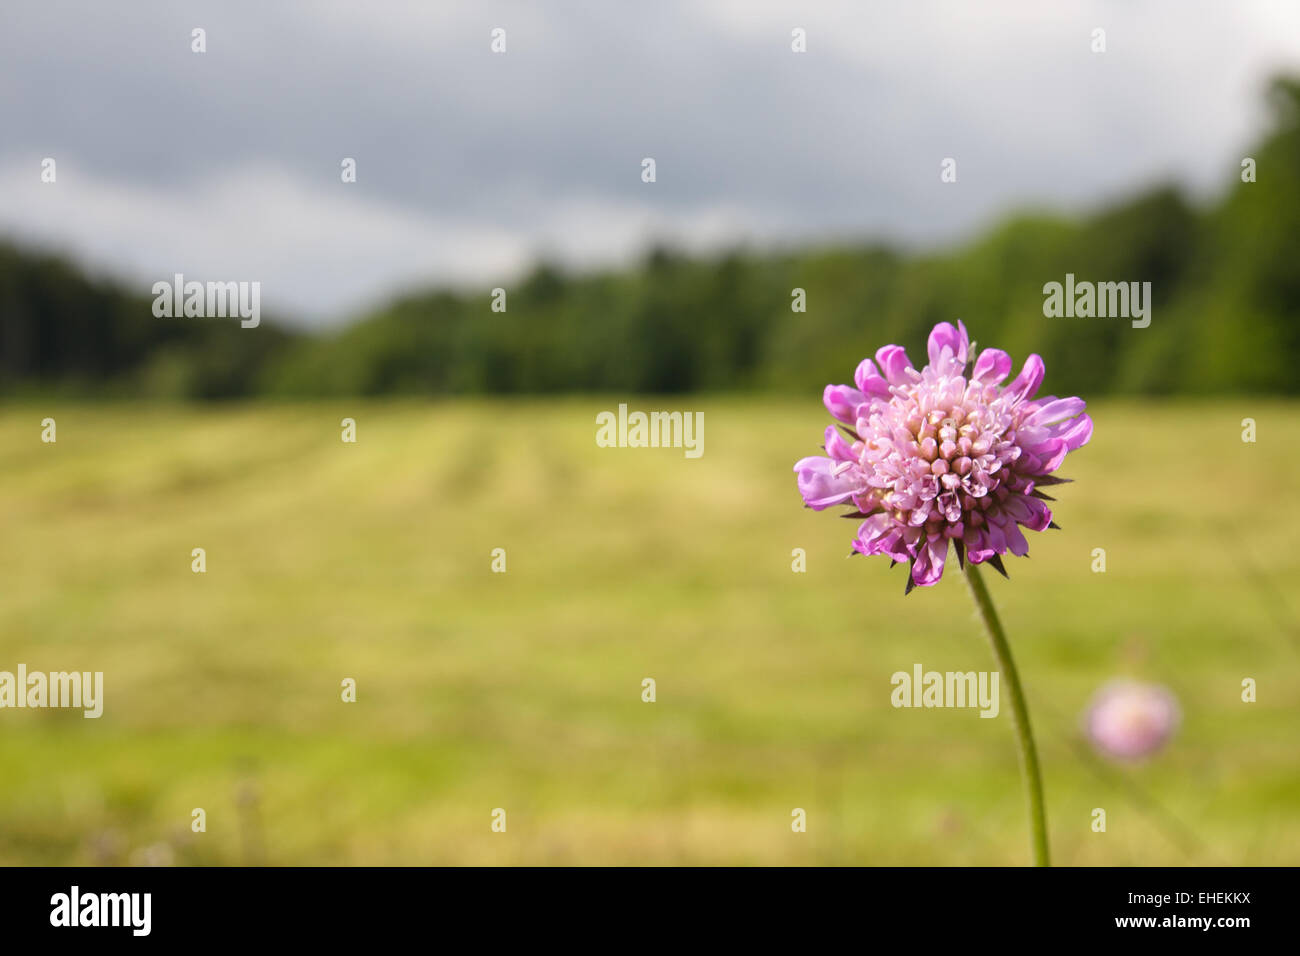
[472, 164]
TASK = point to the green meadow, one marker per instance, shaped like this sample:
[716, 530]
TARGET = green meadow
[523, 690]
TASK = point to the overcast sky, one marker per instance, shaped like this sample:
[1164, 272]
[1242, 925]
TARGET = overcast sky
[471, 165]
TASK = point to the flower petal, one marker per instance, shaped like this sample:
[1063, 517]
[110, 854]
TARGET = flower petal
[1075, 433]
[824, 483]
[943, 335]
[872, 534]
[842, 402]
[894, 363]
[1016, 542]
[930, 559]
[991, 367]
[869, 381]
[837, 447]
[1028, 511]
[1025, 385]
[1055, 411]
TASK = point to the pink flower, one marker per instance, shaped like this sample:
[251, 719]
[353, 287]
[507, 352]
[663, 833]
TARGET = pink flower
[946, 454]
[1131, 720]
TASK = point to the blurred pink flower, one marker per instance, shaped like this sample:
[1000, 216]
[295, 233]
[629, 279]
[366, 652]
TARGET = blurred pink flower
[1130, 720]
[940, 455]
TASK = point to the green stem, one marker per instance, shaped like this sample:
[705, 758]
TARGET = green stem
[1024, 733]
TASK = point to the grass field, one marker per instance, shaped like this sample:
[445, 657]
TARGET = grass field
[522, 690]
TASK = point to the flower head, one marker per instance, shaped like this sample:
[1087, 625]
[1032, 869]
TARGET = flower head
[946, 454]
[1131, 720]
